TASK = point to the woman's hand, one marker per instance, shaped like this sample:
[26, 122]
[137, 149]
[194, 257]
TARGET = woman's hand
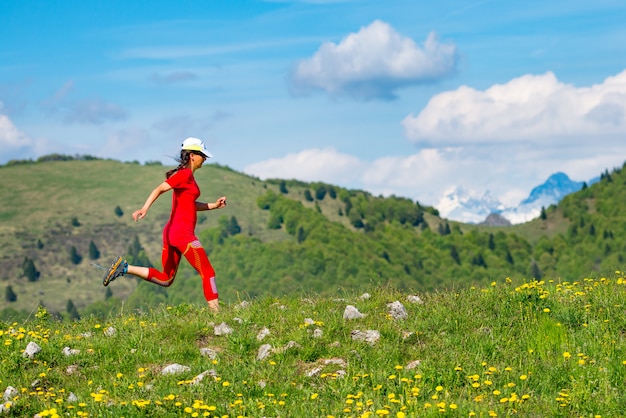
[139, 214]
[220, 203]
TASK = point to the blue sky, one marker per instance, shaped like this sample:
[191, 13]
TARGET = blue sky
[411, 98]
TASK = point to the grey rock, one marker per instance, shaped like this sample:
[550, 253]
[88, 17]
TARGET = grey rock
[264, 351]
[222, 329]
[175, 369]
[370, 336]
[397, 311]
[351, 312]
[32, 349]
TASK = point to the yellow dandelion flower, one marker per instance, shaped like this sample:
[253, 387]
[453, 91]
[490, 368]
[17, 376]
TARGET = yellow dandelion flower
[567, 355]
[314, 395]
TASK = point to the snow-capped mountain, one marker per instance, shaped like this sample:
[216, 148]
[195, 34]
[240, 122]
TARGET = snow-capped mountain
[459, 204]
[465, 206]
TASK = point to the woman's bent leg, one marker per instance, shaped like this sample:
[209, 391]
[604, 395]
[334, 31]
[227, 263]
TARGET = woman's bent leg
[197, 257]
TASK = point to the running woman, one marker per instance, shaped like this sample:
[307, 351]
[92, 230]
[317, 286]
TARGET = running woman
[179, 237]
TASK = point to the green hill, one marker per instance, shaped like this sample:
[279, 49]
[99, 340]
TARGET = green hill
[275, 237]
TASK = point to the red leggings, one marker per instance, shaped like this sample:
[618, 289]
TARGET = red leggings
[195, 254]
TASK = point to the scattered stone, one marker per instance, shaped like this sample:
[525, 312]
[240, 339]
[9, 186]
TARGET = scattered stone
[409, 337]
[352, 312]
[339, 374]
[202, 375]
[370, 336]
[31, 350]
[307, 300]
[365, 296]
[5, 407]
[70, 352]
[309, 321]
[290, 344]
[262, 384]
[223, 329]
[335, 344]
[244, 304]
[208, 352]
[110, 332]
[314, 371]
[262, 334]
[175, 369]
[238, 320]
[9, 393]
[71, 369]
[87, 334]
[413, 364]
[397, 311]
[264, 351]
[336, 361]
[415, 299]
[318, 333]
[71, 398]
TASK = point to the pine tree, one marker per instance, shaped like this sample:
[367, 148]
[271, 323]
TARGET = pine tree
[455, 255]
[491, 244]
[233, 227]
[283, 187]
[320, 192]
[9, 295]
[30, 271]
[75, 258]
[94, 253]
[119, 212]
[71, 310]
[534, 271]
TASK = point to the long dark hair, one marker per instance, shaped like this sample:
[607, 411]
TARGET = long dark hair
[183, 161]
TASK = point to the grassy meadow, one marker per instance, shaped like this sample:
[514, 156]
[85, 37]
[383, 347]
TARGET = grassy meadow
[537, 348]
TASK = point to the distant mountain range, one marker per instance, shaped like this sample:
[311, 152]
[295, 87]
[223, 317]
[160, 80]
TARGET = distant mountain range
[465, 206]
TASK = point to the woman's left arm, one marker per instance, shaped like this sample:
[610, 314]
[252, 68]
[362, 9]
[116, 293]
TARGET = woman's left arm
[218, 204]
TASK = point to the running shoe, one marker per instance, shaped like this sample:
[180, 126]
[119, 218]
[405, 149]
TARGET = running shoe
[117, 269]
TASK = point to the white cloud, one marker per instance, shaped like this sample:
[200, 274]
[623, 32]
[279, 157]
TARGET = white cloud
[373, 63]
[87, 111]
[325, 165]
[420, 176]
[10, 136]
[14, 144]
[532, 108]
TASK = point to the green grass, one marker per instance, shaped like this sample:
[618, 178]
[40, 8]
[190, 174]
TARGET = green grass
[532, 349]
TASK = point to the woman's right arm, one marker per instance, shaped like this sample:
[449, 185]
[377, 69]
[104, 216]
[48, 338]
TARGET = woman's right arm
[158, 191]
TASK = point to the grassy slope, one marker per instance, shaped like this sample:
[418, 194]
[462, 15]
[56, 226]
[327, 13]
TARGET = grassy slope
[541, 349]
[44, 198]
